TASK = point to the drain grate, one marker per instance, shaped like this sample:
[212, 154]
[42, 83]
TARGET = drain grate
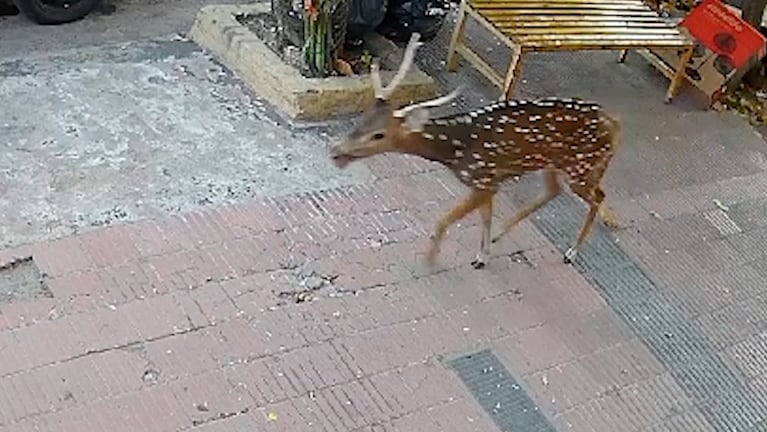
[22, 280]
[499, 394]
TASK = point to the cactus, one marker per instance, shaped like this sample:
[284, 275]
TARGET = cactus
[317, 55]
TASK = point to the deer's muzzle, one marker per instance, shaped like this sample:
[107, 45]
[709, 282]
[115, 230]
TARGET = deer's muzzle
[340, 158]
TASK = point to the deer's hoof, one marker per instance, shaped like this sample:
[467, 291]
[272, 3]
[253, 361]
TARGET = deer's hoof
[612, 224]
[478, 264]
[570, 256]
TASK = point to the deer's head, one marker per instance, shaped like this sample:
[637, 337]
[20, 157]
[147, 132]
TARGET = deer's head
[385, 128]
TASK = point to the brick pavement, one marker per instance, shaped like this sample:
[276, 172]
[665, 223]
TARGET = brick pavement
[313, 312]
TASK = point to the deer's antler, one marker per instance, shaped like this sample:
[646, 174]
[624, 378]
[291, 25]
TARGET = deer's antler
[384, 93]
[442, 100]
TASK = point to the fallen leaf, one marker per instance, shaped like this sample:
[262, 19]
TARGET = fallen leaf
[344, 68]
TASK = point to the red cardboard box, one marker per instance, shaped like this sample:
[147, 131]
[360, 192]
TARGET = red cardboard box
[724, 32]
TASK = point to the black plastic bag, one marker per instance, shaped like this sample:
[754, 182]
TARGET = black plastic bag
[404, 17]
[364, 16]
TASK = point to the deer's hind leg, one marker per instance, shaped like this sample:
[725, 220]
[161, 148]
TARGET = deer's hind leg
[486, 212]
[476, 199]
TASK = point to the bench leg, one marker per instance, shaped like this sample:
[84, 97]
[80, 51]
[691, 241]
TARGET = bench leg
[622, 57]
[676, 82]
[515, 68]
[457, 38]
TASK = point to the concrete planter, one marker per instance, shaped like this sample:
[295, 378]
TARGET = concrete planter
[307, 99]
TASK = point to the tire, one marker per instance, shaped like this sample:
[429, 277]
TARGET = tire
[42, 12]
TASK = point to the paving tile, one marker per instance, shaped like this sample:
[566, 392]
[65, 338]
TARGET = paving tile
[214, 303]
[462, 415]
[209, 396]
[237, 340]
[182, 355]
[420, 421]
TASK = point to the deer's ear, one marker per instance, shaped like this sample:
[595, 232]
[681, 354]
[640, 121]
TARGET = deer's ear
[416, 119]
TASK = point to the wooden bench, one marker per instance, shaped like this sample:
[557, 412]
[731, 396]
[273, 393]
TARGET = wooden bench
[567, 25]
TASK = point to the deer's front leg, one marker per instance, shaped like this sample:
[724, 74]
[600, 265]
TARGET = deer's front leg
[476, 199]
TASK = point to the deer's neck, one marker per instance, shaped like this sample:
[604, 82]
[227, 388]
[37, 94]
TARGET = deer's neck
[432, 144]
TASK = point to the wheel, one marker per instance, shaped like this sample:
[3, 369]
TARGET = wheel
[56, 11]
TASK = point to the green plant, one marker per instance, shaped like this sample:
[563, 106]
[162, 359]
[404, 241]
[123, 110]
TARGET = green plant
[317, 55]
[367, 59]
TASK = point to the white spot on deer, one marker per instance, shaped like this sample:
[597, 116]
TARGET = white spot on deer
[499, 130]
[474, 114]
[464, 174]
[457, 143]
[490, 118]
[535, 118]
[473, 135]
[442, 137]
[521, 130]
[428, 136]
[477, 156]
[579, 156]
[481, 163]
[458, 153]
[489, 145]
[487, 127]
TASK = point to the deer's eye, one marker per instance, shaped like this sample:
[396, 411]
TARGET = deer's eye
[378, 136]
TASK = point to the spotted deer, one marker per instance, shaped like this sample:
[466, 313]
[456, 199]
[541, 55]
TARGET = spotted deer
[562, 138]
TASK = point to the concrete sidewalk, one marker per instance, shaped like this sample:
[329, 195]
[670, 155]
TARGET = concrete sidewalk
[313, 311]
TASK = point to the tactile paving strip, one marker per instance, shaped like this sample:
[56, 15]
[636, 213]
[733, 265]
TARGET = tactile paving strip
[499, 394]
[713, 385]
